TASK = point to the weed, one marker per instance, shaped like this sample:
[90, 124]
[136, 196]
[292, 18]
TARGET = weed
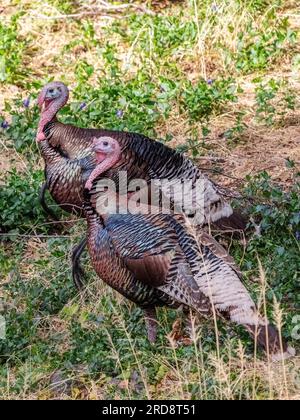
[64, 6]
[277, 245]
[160, 36]
[19, 203]
[233, 133]
[256, 50]
[273, 99]
[23, 124]
[207, 97]
[12, 48]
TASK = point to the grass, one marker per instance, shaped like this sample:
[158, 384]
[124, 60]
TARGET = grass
[218, 80]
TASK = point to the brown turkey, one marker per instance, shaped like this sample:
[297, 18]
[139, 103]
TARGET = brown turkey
[158, 260]
[66, 150]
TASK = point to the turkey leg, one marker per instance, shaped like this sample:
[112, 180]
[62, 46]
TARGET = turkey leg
[151, 324]
[77, 271]
[43, 203]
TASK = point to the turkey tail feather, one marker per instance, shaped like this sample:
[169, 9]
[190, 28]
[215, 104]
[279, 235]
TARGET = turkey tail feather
[268, 338]
[235, 222]
[219, 281]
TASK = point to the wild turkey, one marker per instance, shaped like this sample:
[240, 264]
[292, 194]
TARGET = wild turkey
[157, 260]
[66, 150]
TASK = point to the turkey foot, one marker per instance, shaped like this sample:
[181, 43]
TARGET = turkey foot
[182, 329]
[177, 336]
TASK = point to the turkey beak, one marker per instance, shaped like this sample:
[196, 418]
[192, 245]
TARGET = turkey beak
[42, 101]
[97, 148]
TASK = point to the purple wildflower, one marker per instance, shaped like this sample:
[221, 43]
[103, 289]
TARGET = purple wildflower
[119, 113]
[214, 7]
[297, 235]
[82, 106]
[26, 102]
[209, 81]
[4, 124]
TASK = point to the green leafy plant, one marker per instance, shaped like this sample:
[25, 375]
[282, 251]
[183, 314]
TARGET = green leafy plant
[273, 98]
[133, 104]
[278, 243]
[22, 127]
[260, 5]
[234, 133]
[206, 98]
[159, 35]
[19, 203]
[12, 48]
[64, 6]
[257, 49]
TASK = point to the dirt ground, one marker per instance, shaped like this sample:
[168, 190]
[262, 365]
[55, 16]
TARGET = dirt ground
[263, 150]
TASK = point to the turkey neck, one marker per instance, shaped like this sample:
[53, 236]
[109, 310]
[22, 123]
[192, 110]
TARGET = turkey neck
[105, 165]
[49, 113]
[94, 202]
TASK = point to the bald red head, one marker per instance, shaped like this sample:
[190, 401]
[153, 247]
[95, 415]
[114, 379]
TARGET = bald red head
[51, 99]
[108, 153]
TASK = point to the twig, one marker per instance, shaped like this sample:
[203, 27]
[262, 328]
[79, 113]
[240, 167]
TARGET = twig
[75, 15]
[212, 158]
[100, 10]
[216, 171]
[140, 7]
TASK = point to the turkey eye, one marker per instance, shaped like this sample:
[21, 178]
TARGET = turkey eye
[51, 90]
[105, 143]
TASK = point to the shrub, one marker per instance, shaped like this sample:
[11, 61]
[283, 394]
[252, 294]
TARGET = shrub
[278, 213]
[20, 209]
[11, 52]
